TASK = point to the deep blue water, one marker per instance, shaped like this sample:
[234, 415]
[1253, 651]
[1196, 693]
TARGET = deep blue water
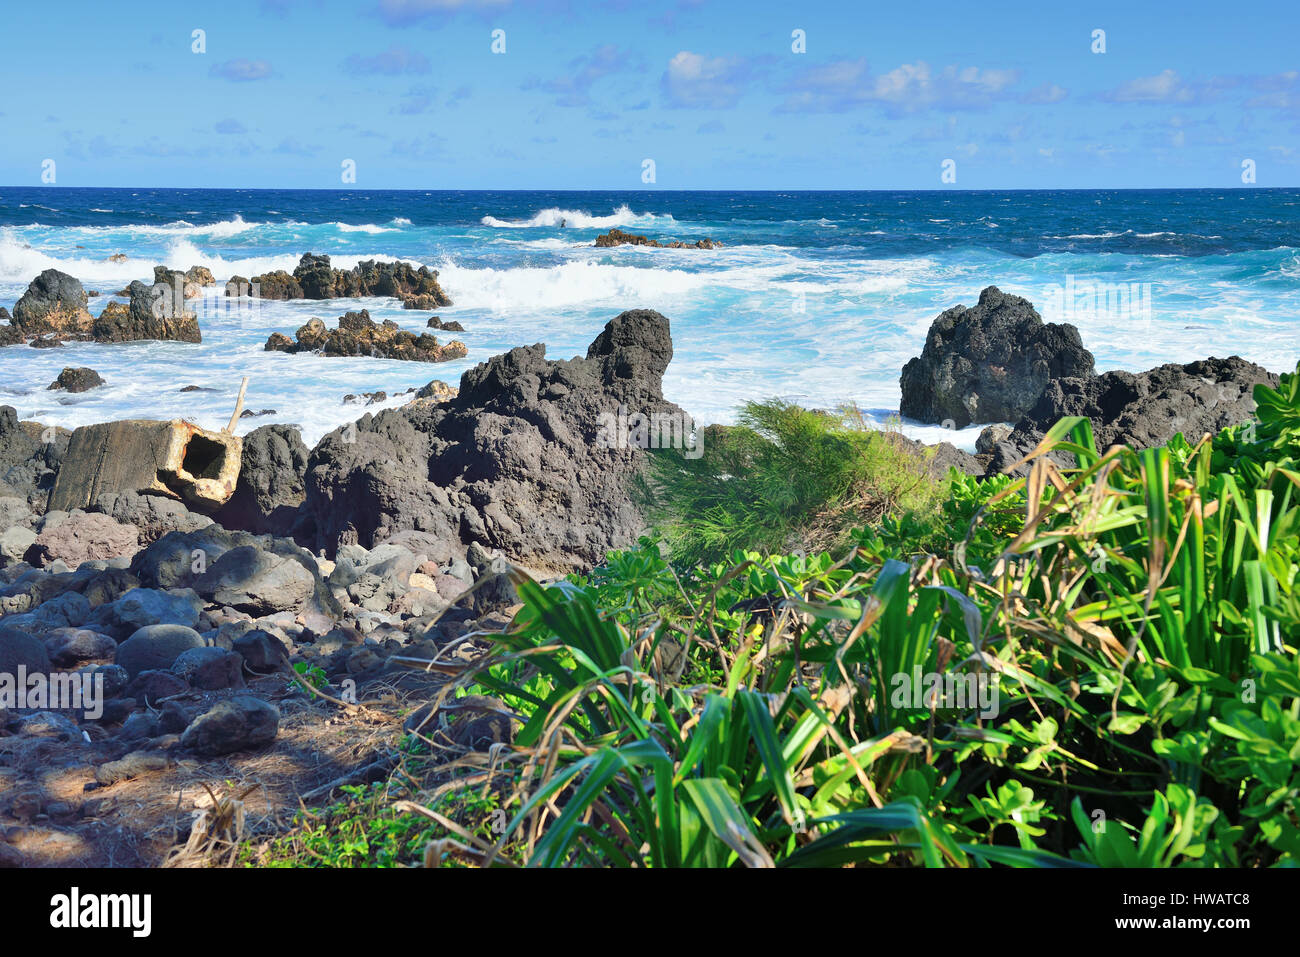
[816, 296]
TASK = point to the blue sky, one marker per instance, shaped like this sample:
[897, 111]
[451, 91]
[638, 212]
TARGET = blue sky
[712, 92]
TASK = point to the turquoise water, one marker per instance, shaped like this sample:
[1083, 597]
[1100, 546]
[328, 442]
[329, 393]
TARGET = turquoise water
[816, 297]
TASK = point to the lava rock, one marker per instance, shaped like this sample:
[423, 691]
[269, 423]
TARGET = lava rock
[77, 380]
[1142, 410]
[83, 537]
[240, 723]
[156, 648]
[53, 303]
[514, 460]
[210, 669]
[271, 482]
[989, 363]
[71, 646]
[261, 652]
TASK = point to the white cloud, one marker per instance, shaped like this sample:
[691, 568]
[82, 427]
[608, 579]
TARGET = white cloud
[909, 88]
[695, 80]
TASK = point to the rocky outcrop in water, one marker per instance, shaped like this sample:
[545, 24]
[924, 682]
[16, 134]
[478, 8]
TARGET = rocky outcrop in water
[153, 312]
[617, 237]
[359, 335]
[315, 278]
[53, 303]
[77, 380]
[513, 462]
[989, 363]
[190, 282]
[10, 334]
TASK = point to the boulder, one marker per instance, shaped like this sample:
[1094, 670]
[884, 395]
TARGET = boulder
[68, 647]
[210, 669]
[53, 303]
[152, 516]
[989, 363]
[272, 285]
[156, 648]
[438, 391]
[514, 461]
[180, 284]
[141, 607]
[77, 380]
[154, 312]
[236, 724]
[83, 537]
[157, 683]
[1141, 410]
[17, 648]
[259, 581]
[201, 275]
[30, 456]
[10, 335]
[261, 652]
[177, 559]
[14, 543]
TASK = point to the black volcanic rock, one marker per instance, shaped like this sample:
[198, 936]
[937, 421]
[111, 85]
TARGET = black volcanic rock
[154, 312]
[77, 380]
[10, 334]
[513, 462]
[53, 303]
[270, 486]
[28, 463]
[1143, 409]
[315, 278]
[989, 363]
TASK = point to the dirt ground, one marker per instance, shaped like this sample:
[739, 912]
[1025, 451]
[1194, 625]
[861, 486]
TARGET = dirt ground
[54, 813]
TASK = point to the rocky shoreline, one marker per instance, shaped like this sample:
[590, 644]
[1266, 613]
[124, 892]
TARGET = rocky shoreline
[54, 310]
[392, 540]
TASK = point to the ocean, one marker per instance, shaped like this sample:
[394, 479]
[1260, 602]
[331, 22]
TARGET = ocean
[816, 297]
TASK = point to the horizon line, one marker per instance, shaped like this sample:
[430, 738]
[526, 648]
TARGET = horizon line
[694, 189]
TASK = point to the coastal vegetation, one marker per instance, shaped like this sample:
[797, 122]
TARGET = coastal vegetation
[822, 659]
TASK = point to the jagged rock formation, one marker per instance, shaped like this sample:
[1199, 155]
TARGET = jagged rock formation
[989, 363]
[513, 461]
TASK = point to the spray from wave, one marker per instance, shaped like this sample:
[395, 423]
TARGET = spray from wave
[578, 219]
